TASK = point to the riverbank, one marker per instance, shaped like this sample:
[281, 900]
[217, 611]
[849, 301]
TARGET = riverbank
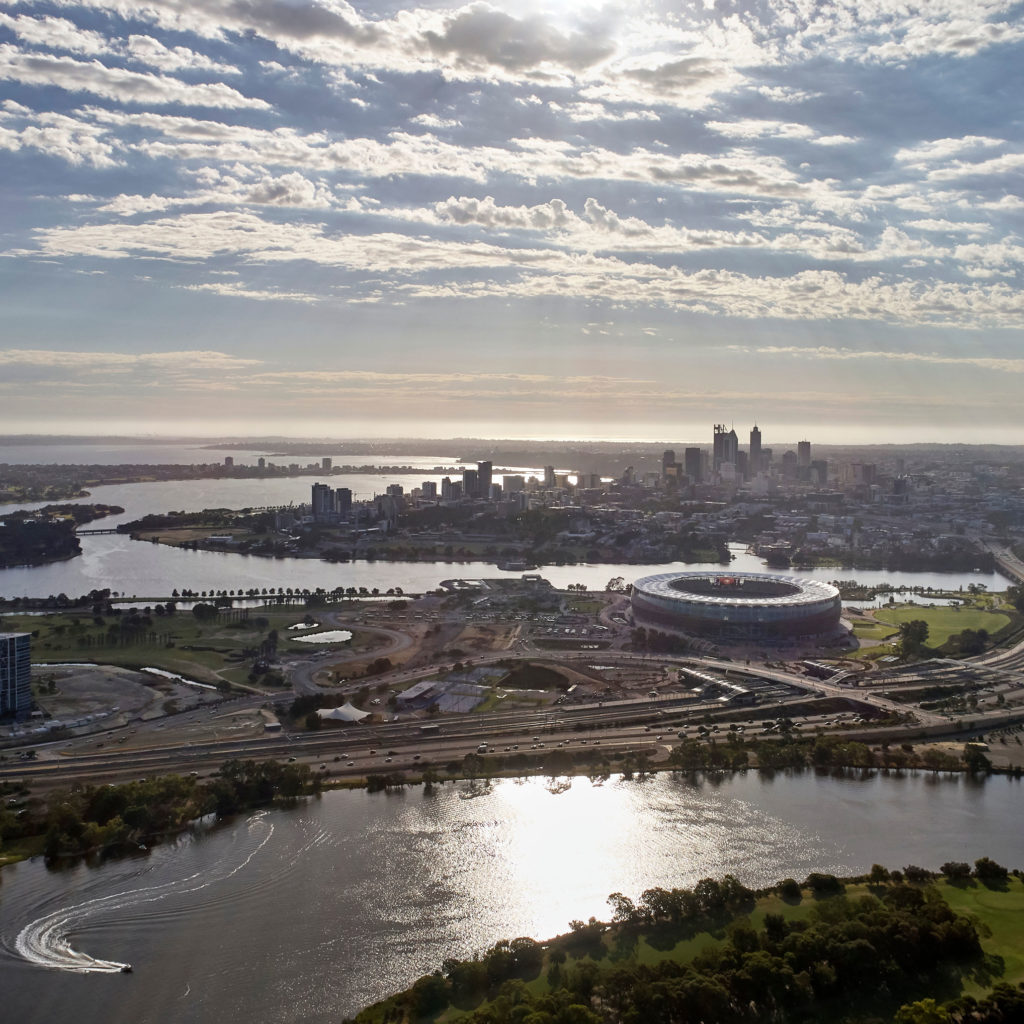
[720, 952]
[110, 819]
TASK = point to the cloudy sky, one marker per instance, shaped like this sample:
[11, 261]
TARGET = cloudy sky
[513, 219]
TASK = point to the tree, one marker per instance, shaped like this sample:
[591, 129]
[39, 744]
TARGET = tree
[913, 635]
[988, 870]
[924, 1011]
[205, 612]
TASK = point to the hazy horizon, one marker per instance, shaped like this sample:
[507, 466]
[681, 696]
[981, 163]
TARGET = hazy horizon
[532, 219]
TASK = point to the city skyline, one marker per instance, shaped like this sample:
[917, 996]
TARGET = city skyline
[530, 221]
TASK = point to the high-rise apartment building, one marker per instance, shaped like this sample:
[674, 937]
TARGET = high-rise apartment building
[15, 674]
[343, 500]
[322, 502]
[325, 463]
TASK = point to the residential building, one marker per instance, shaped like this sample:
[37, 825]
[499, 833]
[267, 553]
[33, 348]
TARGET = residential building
[15, 674]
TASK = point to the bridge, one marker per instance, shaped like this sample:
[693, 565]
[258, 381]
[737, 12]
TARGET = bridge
[82, 533]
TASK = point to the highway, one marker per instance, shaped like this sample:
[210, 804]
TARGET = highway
[616, 723]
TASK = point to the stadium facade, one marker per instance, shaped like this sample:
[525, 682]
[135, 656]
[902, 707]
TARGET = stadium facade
[732, 607]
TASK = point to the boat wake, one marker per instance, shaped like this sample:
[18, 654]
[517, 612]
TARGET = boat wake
[47, 941]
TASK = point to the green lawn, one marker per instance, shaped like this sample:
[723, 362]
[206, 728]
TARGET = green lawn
[943, 622]
[1003, 912]
[872, 630]
[208, 652]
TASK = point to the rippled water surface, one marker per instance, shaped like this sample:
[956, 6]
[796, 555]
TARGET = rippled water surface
[307, 915]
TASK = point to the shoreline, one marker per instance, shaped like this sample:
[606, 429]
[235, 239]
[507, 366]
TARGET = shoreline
[389, 783]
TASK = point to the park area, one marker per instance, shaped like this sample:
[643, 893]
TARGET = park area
[943, 623]
[216, 647]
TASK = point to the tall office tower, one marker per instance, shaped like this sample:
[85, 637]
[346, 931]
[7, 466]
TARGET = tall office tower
[549, 477]
[323, 502]
[514, 484]
[668, 459]
[754, 463]
[803, 461]
[725, 445]
[470, 483]
[789, 465]
[446, 488]
[483, 479]
[343, 501]
[229, 460]
[742, 465]
[692, 464]
[325, 463]
[16, 674]
[819, 472]
[429, 490]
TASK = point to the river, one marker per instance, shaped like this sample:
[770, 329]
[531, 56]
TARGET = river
[308, 915]
[149, 570]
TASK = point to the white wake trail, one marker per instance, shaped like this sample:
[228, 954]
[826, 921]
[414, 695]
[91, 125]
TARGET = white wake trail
[46, 941]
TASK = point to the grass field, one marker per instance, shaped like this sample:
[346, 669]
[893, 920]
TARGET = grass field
[1003, 913]
[943, 622]
[872, 630]
[209, 652]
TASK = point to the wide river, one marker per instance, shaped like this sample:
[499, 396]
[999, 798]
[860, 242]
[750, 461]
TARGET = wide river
[308, 915]
[144, 570]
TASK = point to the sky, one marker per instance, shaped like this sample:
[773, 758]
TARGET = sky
[497, 219]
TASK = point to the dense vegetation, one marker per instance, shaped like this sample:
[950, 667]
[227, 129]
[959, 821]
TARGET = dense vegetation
[47, 534]
[719, 953]
[98, 819]
[818, 752]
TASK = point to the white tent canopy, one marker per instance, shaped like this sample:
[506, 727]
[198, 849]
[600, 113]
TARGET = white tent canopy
[346, 713]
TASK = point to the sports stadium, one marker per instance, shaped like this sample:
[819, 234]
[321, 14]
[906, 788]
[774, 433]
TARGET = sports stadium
[732, 607]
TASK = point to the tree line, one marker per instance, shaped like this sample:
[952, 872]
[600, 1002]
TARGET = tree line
[878, 955]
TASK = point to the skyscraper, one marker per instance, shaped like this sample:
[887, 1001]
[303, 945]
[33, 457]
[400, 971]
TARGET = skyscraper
[803, 461]
[692, 461]
[725, 445]
[15, 674]
[668, 460]
[754, 462]
[483, 479]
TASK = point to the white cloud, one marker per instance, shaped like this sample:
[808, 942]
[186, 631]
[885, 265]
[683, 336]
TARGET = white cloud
[147, 50]
[56, 33]
[115, 83]
[999, 365]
